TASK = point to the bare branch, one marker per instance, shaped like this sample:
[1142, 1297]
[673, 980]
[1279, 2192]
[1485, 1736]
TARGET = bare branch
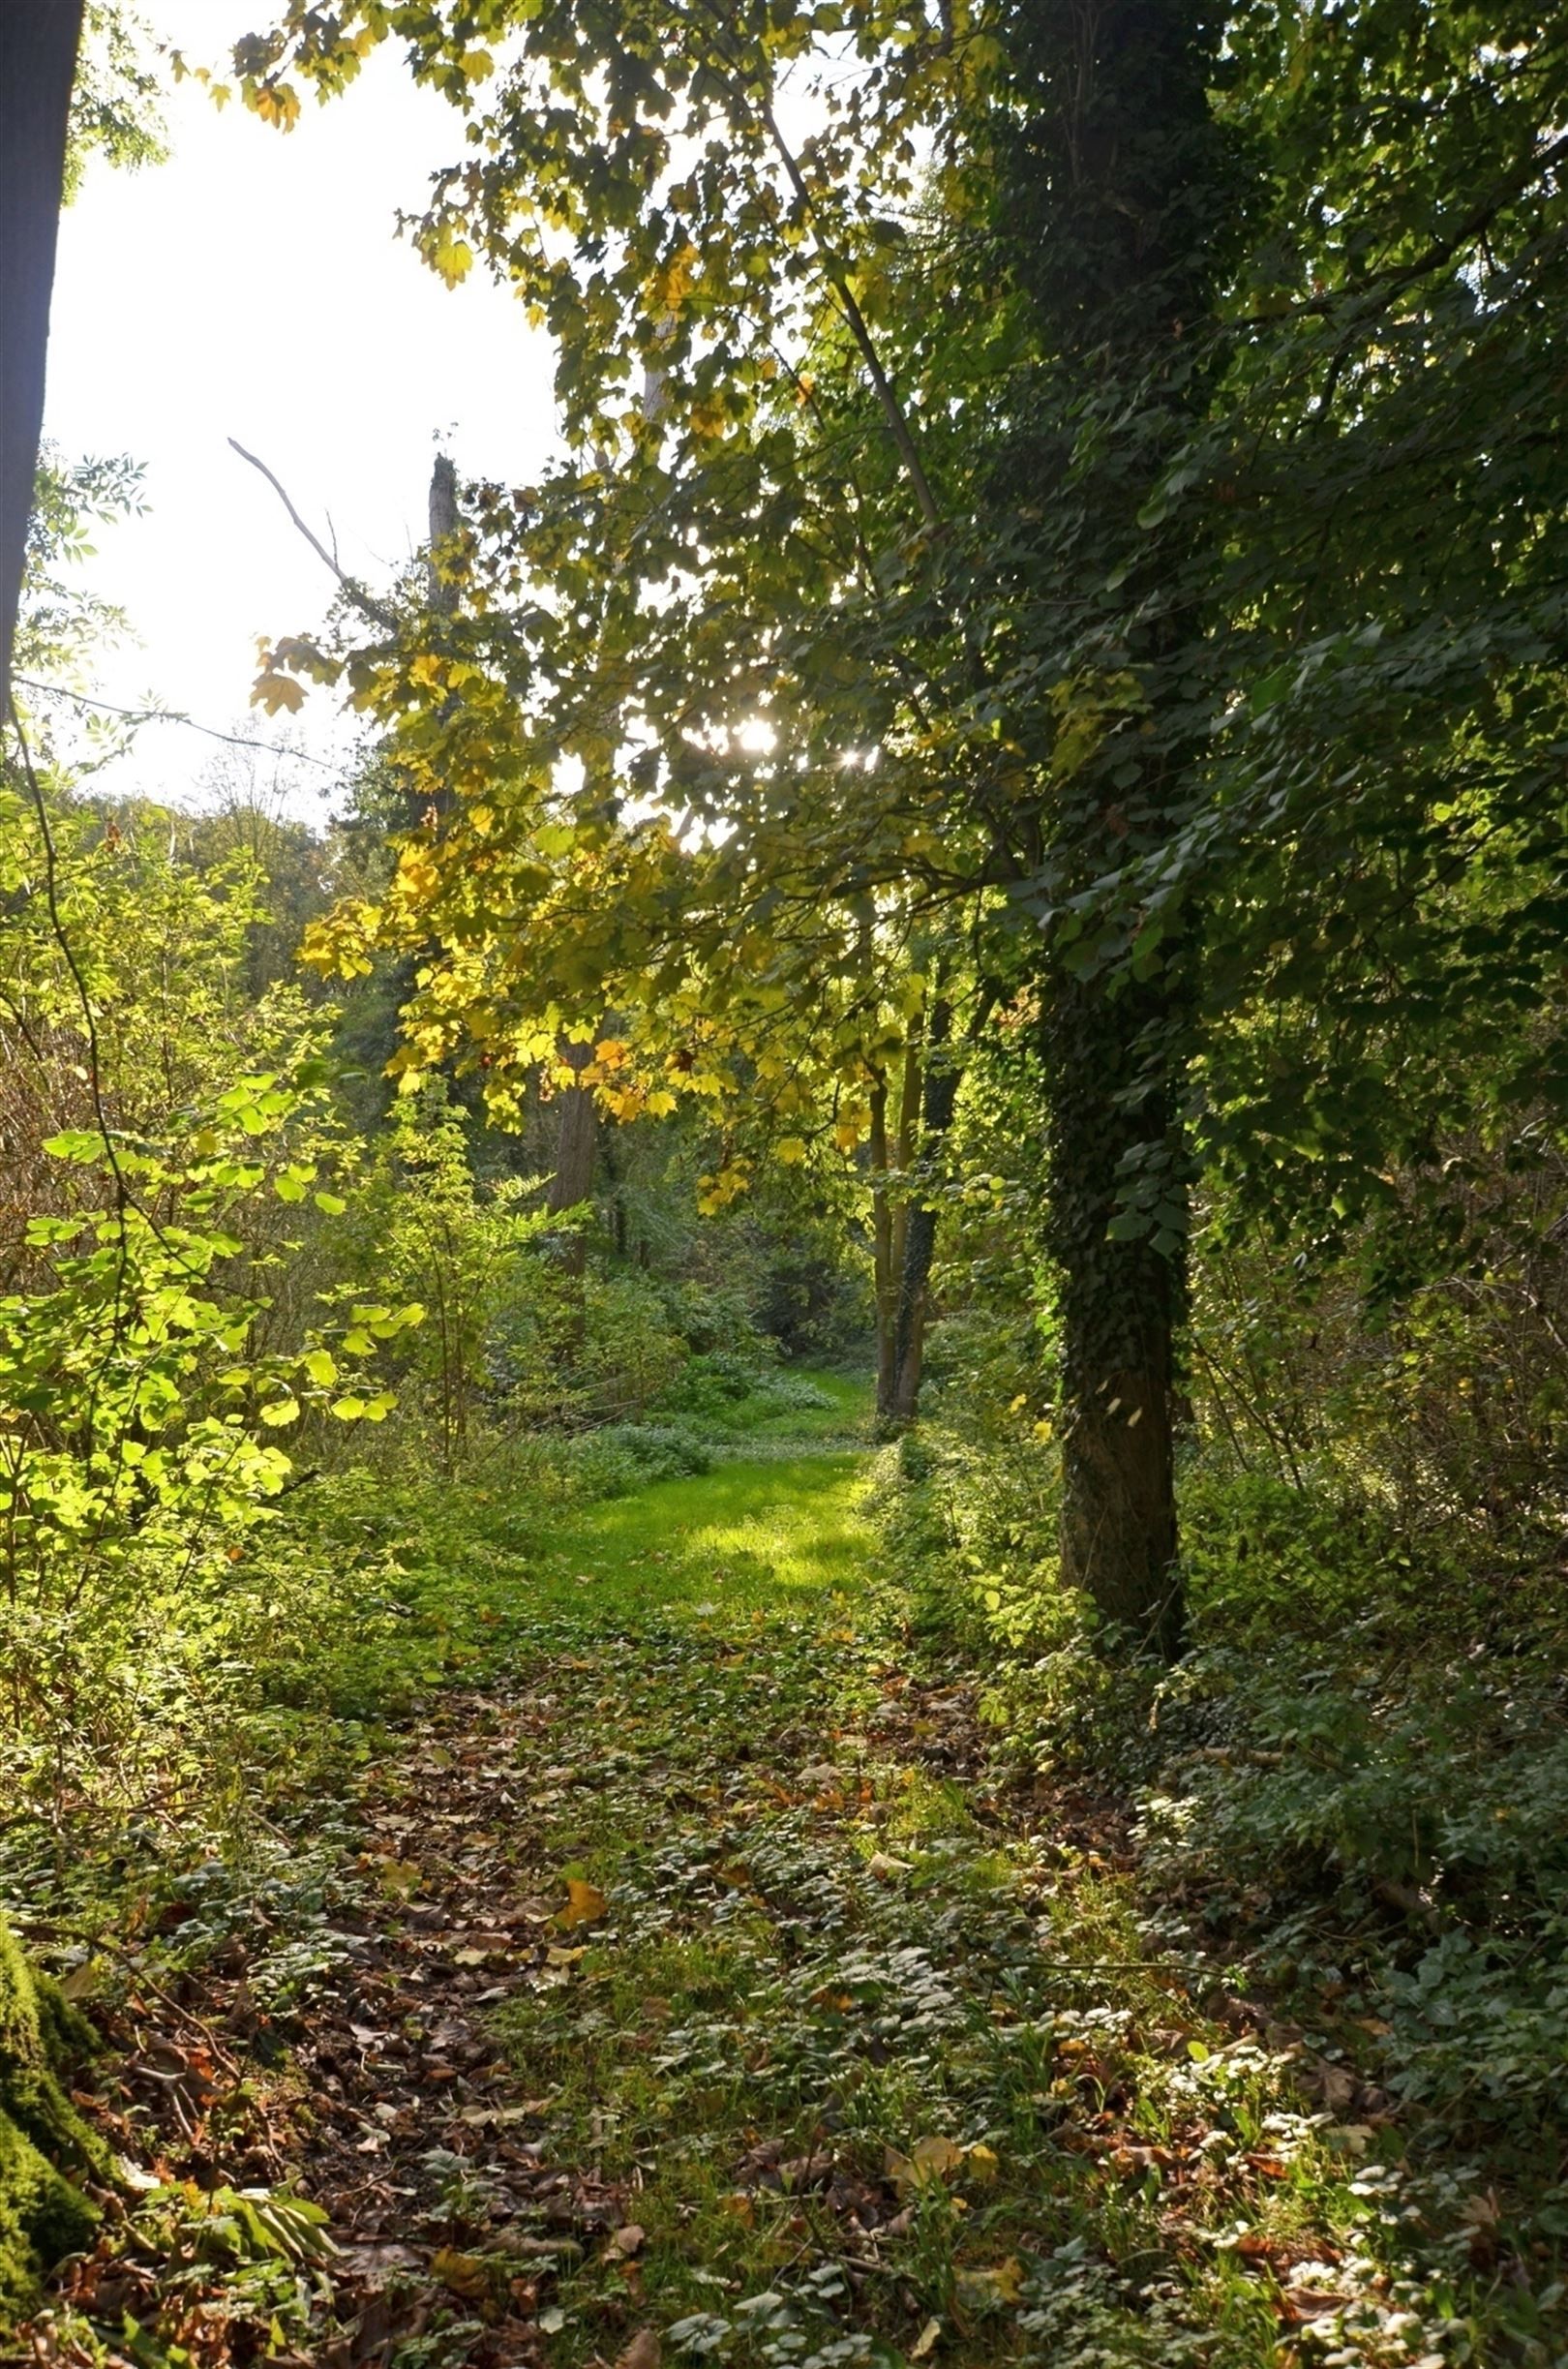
[171, 715]
[366, 602]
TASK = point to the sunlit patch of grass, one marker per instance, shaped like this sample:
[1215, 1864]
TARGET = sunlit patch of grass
[850, 1410]
[718, 1548]
[918, 1807]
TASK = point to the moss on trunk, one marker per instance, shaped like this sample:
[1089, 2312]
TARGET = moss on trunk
[43, 2139]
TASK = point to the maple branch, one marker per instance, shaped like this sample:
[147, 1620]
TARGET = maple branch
[839, 281]
[365, 602]
[893, 409]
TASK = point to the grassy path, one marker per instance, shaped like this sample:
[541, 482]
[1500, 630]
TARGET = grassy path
[697, 1993]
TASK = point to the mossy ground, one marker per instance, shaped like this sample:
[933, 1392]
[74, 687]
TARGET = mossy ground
[42, 2138]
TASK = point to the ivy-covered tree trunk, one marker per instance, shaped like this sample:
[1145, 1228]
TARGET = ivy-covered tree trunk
[1120, 1307]
[1119, 188]
[939, 1095]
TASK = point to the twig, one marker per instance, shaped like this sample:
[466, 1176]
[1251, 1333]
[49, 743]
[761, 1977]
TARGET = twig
[362, 601]
[171, 715]
[837, 279]
[95, 1083]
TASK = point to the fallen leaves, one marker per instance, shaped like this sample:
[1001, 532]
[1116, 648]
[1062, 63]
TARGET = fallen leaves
[586, 1903]
[937, 2159]
[981, 2291]
[479, 2218]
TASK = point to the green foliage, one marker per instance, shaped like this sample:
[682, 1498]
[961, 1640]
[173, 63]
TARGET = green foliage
[729, 1394]
[419, 1224]
[172, 1146]
[115, 109]
[1343, 1792]
[1234, 782]
[617, 1458]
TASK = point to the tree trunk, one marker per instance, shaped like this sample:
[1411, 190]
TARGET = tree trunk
[892, 1215]
[1119, 187]
[884, 1273]
[939, 1095]
[38, 62]
[1120, 1305]
[616, 1179]
[576, 1142]
[443, 522]
[43, 2139]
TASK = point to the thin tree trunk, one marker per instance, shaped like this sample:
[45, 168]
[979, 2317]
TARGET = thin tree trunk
[939, 1096]
[616, 1179]
[576, 1142]
[895, 1213]
[883, 1272]
[444, 523]
[38, 64]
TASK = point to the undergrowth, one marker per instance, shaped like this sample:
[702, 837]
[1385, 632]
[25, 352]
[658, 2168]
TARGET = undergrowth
[1349, 1789]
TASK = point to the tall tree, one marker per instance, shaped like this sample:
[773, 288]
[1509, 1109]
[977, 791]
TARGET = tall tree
[38, 41]
[1115, 194]
[1106, 481]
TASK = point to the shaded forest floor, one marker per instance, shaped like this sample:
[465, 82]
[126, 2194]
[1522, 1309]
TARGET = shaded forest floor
[685, 1982]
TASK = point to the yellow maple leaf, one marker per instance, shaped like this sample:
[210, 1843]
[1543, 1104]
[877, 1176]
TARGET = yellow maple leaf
[586, 1903]
[272, 691]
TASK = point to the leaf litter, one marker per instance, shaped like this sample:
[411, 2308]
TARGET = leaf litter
[683, 1996]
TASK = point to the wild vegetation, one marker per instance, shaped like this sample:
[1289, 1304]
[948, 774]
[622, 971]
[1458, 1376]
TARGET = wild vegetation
[783, 1458]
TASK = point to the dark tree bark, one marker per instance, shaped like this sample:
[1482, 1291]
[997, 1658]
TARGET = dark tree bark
[1120, 1304]
[882, 1257]
[1118, 191]
[38, 62]
[443, 522]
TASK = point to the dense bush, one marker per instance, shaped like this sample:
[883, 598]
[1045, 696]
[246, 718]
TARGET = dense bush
[619, 1457]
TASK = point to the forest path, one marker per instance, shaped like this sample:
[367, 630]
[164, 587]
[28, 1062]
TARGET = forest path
[693, 1990]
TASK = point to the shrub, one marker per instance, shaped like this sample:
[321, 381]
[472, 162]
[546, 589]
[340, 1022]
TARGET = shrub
[727, 1393]
[620, 1457]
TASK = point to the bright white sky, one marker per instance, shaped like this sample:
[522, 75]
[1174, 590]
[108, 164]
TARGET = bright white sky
[255, 286]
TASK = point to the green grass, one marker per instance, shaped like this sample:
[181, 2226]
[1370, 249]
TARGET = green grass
[850, 1413]
[742, 1542]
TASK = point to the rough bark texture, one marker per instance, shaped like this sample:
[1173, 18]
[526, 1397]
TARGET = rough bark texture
[443, 522]
[38, 59]
[1121, 187]
[884, 1277]
[1120, 1306]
